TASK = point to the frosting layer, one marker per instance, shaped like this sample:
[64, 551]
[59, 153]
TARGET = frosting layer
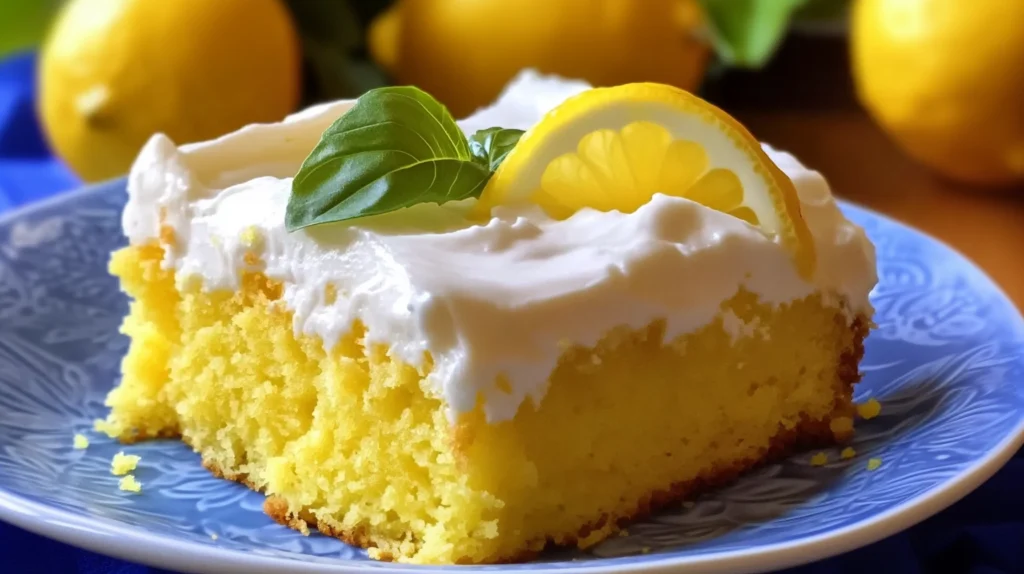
[484, 300]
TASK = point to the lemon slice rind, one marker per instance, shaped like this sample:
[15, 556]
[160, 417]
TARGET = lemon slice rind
[767, 191]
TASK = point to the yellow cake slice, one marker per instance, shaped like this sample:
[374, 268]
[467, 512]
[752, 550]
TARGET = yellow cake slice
[442, 388]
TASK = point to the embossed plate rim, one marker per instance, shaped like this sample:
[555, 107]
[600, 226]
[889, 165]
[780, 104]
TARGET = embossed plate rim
[112, 537]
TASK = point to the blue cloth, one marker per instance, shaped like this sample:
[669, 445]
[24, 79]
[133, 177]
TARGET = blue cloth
[28, 170]
[982, 534]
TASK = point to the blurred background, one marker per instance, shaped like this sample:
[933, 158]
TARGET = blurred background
[913, 107]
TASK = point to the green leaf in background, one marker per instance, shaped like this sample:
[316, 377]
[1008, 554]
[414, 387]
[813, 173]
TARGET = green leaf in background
[824, 11]
[395, 148]
[331, 21]
[490, 146]
[23, 23]
[745, 33]
[331, 32]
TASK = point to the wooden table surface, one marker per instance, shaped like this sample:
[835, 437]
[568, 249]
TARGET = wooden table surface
[804, 104]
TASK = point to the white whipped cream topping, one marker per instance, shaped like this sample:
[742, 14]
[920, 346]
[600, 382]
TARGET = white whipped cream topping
[502, 298]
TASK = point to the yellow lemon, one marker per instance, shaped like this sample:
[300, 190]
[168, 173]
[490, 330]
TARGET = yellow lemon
[464, 51]
[383, 35]
[946, 79]
[614, 148]
[113, 72]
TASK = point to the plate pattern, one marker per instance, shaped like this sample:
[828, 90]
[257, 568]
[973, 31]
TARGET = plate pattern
[947, 361]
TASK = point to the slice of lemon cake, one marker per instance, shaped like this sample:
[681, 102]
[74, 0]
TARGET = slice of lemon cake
[459, 350]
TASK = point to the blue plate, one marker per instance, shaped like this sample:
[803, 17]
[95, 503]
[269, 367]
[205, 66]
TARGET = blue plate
[947, 362]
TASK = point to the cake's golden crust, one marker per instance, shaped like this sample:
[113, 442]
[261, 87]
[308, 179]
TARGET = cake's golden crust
[807, 434]
[140, 436]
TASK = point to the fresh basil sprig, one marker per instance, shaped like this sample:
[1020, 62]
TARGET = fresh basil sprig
[395, 148]
[490, 146]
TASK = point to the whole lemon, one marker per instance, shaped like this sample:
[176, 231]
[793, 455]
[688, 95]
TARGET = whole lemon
[946, 79]
[113, 72]
[465, 51]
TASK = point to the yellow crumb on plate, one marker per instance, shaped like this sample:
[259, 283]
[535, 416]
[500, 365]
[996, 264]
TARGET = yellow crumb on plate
[129, 484]
[819, 459]
[870, 409]
[111, 430]
[874, 463]
[81, 442]
[842, 426]
[848, 453]
[123, 463]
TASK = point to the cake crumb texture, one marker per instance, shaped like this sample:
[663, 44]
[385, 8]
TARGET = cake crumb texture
[869, 409]
[80, 442]
[360, 446]
[129, 484]
[874, 463]
[123, 463]
[847, 453]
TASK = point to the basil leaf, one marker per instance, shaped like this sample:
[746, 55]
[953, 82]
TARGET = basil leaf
[490, 146]
[395, 148]
[746, 33]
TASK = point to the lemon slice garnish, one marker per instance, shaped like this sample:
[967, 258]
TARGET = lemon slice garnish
[614, 148]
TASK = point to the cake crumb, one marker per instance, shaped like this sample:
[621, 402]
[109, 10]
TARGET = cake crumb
[251, 237]
[870, 409]
[841, 426]
[330, 294]
[251, 259]
[820, 459]
[374, 553]
[107, 428]
[129, 484]
[123, 463]
[623, 532]
[848, 453]
[874, 463]
[645, 550]
[81, 442]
